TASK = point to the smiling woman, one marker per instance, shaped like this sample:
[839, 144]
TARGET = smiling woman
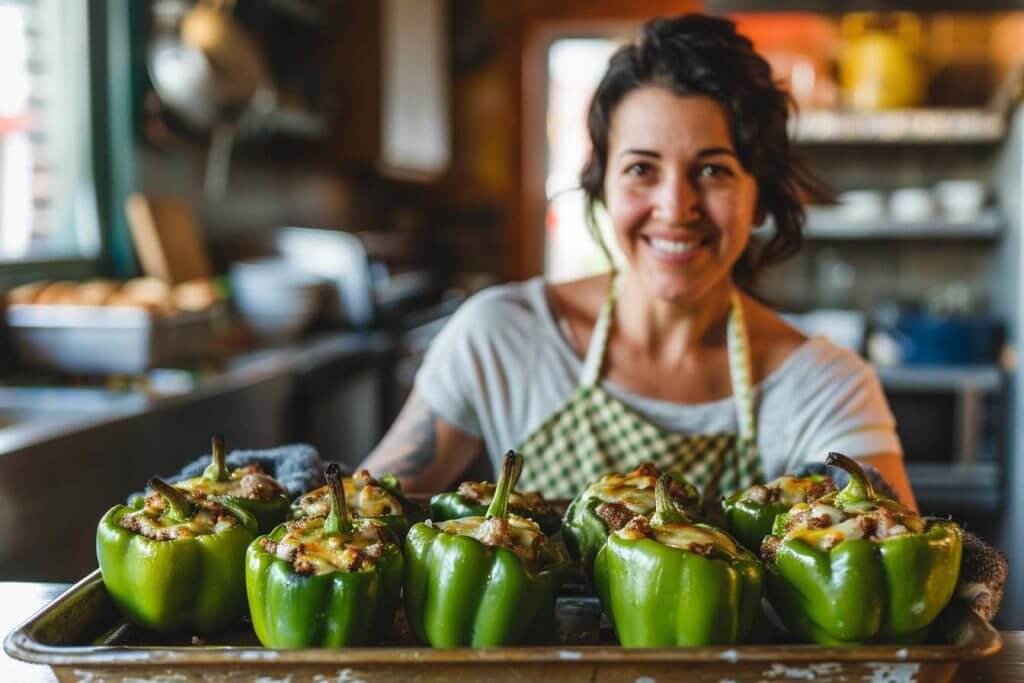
[672, 359]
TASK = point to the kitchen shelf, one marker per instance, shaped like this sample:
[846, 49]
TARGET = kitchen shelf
[821, 226]
[986, 378]
[975, 486]
[839, 7]
[925, 126]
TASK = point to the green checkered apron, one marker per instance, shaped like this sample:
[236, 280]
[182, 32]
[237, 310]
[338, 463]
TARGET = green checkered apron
[594, 433]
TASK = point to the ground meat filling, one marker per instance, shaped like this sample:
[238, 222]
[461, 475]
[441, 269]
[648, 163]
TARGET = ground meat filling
[309, 551]
[634, 491]
[788, 490]
[614, 515]
[824, 526]
[482, 493]
[518, 534]
[698, 539]
[363, 494]
[209, 517]
[770, 547]
[250, 482]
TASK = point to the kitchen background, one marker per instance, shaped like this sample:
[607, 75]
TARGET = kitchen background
[311, 188]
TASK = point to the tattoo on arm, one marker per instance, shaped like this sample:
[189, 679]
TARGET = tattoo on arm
[410, 446]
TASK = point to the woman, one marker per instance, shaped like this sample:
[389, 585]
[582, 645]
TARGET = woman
[672, 359]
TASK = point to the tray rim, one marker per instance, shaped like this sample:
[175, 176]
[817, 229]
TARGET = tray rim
[20, 644]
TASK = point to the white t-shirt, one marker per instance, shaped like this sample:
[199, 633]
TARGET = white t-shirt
[502, 366]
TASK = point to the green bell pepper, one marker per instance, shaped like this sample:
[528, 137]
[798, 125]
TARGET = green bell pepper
[248, 487]
[483, 581]
[854, 567]
[473, 497]
[666, 581]
[174, 561]
[617, 498]
[749, 514]
[339, 586]
[367, 498]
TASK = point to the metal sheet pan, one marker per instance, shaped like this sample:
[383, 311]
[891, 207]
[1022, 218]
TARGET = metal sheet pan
[81, 637]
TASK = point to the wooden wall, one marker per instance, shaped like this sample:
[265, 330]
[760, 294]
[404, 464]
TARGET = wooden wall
[499, 104]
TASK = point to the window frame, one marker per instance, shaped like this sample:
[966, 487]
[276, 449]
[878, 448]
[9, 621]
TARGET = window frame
[110, 142]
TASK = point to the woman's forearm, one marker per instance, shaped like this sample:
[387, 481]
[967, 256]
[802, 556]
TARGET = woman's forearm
[425, 452]
[890, 465]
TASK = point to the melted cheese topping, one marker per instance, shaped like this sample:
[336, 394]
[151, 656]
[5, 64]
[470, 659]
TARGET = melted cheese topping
[310, 551]
[364, 499]
[695, 538]
[482, 493]
[151, 521]
[824, 526]
[244, 482]
[788, 490]
[518, 534]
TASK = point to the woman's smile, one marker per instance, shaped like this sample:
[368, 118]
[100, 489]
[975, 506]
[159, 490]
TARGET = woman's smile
[677, 250]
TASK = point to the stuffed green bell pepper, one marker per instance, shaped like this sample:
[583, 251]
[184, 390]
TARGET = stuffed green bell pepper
[667, 581]
[381, 499]
[174, 560]
[611, 502]
[854, 567]
[324, 581]
[248, 487]
[483, 581]
[749, 514]
[473, 497]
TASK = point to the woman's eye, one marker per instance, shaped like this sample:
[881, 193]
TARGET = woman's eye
[714, 171]
[638, 170]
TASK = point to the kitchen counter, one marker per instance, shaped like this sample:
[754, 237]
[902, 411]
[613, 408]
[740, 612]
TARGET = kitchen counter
[21, 600]
[49, 412]
[67, 455]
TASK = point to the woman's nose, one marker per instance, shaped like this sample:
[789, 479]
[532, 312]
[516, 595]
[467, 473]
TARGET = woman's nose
[676, 201]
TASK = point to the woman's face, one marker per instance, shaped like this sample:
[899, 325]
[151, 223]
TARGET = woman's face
[681, 202]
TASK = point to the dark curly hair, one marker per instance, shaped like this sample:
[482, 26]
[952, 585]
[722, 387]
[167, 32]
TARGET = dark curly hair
[696, 54]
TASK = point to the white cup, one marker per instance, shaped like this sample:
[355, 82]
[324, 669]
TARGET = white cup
[960, 200]
[911, 204]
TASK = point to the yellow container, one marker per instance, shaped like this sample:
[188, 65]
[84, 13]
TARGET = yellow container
[880, 66]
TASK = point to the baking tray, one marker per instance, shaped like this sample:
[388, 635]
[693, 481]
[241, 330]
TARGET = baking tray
[80, 636]
[106, 339]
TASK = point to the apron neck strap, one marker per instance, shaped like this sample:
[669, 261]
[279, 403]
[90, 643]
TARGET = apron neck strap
[599, 338]
[737, 342]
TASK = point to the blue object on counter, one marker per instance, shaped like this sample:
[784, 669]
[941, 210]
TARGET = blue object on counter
[955, 340]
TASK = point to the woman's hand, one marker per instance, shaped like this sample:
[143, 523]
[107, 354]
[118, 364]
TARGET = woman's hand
[890, 466]
[426, 453]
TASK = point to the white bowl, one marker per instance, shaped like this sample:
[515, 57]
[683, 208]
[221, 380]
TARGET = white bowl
[276, 303]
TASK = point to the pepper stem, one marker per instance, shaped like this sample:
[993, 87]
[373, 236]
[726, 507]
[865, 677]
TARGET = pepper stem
[511, 466]
[859, 488]
[217, 470]
[179, 507]
[338, 520]
[665, 509]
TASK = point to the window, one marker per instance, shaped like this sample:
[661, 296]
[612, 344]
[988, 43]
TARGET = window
[575, 66]
[47, 199]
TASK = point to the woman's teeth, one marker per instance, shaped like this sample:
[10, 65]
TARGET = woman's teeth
[673, 246]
